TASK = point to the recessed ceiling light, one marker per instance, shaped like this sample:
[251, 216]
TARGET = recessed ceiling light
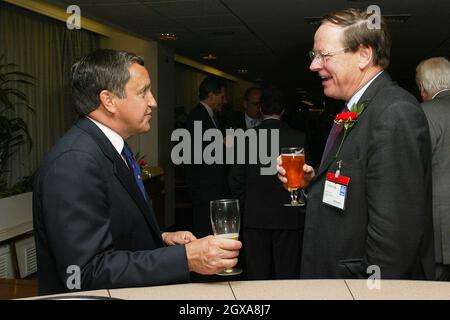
[168, 36]
[242, 71]
[209, 56]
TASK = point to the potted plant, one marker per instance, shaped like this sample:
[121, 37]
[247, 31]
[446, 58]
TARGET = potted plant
[15, 203]
[13, 130]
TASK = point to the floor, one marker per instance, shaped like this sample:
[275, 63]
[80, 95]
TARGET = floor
[18, 288]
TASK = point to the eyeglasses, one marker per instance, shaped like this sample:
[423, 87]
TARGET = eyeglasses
[321, 56]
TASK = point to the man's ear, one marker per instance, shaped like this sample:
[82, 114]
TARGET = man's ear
[423, 93]
[210, 99]
[107, 100]
[365, 56]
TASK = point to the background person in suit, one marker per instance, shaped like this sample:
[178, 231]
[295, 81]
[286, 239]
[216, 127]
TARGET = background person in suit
[90, 209]
[251, 117]
[206, 182]
[433, 79]
[386, 221]
[272, 233]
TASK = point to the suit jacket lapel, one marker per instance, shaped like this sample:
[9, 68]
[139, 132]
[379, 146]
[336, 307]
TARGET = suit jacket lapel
[121, 171]
[125, 177]
[207, 122]
[382, 80]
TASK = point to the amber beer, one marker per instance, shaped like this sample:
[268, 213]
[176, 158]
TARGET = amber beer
[293, 164]
[232, 236]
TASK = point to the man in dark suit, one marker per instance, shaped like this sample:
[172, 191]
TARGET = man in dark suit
[272, 233]
[369, 204]
[251, 117]
[206, 182]
[433, 79]
[93, 222]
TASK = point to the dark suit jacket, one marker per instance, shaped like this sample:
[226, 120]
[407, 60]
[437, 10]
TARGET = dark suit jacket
[438, 115]
[263, 196]
[89, 212]
[387, 220]
[205, 182]
[238, 121]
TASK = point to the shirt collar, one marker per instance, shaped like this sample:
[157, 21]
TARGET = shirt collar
[250, 122]
[271, 118]
[439, 92]
[114, 137]
[355, 98]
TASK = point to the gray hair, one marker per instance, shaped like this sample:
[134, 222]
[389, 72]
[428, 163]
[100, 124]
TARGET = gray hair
[433, 74]
[100, 70]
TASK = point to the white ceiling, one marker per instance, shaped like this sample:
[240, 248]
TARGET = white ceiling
[271, 37]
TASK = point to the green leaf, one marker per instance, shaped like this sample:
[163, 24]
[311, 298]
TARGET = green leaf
[13, 130]
[139, 157]
[18, 73]
[30, 108]
[17, 93]
[358, 107]
[7, 65]
[22, 81]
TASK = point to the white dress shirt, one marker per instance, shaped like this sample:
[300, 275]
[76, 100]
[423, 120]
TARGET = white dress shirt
[114, 137]
[250, 122]
[355, 98]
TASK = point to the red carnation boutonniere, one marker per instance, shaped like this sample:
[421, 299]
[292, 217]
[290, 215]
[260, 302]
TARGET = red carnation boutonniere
[348, 119]
[144, 166]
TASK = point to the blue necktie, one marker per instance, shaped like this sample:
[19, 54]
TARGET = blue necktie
[134, 167]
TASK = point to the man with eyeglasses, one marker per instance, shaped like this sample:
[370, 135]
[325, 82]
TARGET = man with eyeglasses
[251, 118]
[369, 202]
[252, 105]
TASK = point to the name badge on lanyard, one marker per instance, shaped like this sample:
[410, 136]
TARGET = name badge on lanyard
[335, 191]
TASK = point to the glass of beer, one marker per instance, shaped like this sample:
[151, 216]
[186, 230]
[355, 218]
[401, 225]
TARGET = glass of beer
[225, 221]
[292, 160]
